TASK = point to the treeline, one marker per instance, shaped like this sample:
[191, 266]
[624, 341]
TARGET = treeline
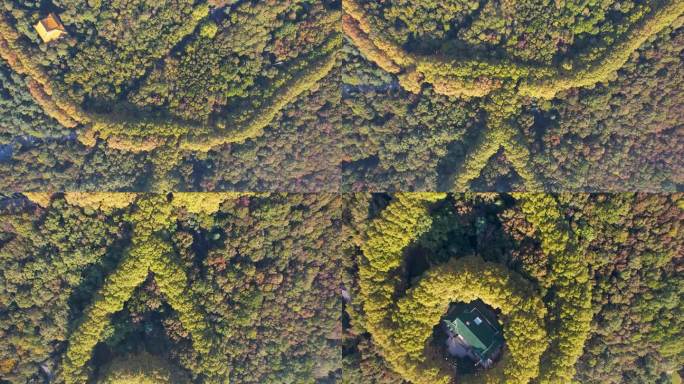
[94, 35]
[622, 134]
[283, 122]
[393, 231]
[466, 280]
[47, 260]
[16, 53]
[598, 279]
[501, 133]
[217, 287]
[299, 151]
[142, 368]
[568, 285]
[149, 253]
[525, 31]
[219, 124]
[223, 69]
[467, 77]
[574, 141]
[21, 115]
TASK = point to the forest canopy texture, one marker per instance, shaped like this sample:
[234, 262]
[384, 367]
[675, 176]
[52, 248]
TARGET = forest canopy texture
[338, 288]
[150, 95]
[513, 95]
[178, 288]
[343, 95]
[341, 191]
[587, 287]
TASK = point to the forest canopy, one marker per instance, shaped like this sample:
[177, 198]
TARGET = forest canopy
[204, 287]
[341, 191]
[158, 89]
[586, 286]
[338, 288]
[351, 95]
[516, 113]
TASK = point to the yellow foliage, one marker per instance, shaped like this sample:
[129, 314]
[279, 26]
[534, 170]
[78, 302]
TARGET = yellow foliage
[141, 134]
[499, 133]
[401, 328]
[141, 368]
[465, 280]
[104, 201]
[7, 365]
[375, 40]
[366, 46]
[49, 106]
[132, 144]
[605, 68]
[570, 282]
[191, 137]
[15, 54]
[454, 86]
[149, 252]
[88, 137]
[40, 198]
[204, 202]
[456, 76]
[262, 118]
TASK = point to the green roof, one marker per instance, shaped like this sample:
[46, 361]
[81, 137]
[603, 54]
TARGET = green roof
[479, 329]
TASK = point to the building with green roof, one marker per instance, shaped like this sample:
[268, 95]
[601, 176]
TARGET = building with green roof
[476, 329]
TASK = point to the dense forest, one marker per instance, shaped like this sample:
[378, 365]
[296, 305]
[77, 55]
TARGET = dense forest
[514, 95]
[337, 288]
[294, 155]
[176, 288]
[229, 95]
[343, 95]
[341, 191]
[588, 287]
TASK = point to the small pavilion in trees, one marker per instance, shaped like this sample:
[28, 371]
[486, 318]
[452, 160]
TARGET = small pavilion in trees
[50, 28]
[474, 331]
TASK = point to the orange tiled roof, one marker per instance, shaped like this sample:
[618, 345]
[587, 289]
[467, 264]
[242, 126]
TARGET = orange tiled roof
[51, 22]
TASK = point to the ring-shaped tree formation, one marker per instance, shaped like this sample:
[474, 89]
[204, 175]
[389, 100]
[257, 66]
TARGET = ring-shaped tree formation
[465, 280]
[136, 130]
[400, 323]
[504, 82]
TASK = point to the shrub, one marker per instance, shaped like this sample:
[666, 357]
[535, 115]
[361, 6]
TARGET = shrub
[141, 368]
